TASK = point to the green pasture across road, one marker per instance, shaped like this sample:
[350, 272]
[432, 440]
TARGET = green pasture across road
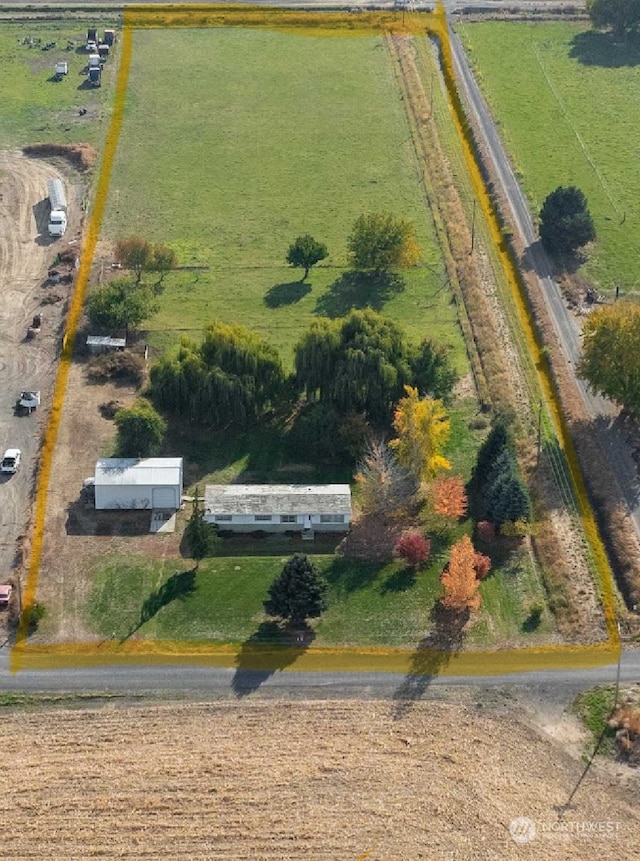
[235, 142]
[567, 102]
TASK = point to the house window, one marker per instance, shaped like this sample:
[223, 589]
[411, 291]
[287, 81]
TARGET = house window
[223, 518]
[288, 518]
[332, 518]
[262, 518]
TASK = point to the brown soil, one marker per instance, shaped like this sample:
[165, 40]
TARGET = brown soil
[234, 781]
[26, 253]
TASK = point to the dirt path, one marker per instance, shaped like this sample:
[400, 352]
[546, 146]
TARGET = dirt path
[26, 252]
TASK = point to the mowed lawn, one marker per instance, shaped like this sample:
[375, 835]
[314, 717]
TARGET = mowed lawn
[369, 603]
[568, 103]
[35, 108]
[237, 141]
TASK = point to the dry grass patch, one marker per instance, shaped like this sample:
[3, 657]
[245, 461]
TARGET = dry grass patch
[293, 780]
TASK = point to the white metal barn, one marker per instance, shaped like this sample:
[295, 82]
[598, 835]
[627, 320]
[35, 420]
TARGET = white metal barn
[126, 483]
[279, 507]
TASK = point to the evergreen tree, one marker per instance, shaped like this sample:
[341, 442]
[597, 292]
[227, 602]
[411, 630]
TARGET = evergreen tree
[202, 537]
[299, 593]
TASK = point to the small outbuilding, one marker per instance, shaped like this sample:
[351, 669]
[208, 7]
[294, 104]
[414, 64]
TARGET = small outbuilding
[304, 508]
[104, 344]
[129, 483]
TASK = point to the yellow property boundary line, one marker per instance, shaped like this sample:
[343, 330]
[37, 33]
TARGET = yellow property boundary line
[426, 662]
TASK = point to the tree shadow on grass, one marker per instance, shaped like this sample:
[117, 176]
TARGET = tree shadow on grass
[597, 48]
[178, 586]
[286, 294]
[347, 574]
[431, 657]
[400, 581]
[272, 647]
[359, 290]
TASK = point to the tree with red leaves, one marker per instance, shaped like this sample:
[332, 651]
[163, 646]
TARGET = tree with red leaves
[413, 547]
[482, 564]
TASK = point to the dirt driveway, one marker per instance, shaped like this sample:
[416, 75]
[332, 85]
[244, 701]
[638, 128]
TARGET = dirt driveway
[26, 253]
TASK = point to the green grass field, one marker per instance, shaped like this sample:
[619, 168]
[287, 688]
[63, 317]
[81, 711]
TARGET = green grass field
[237, 142]
[369, 603]
[568, 104]
[34, 107]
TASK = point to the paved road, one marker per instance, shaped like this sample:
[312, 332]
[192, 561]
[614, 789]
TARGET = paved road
[212, 682]
[611, 436]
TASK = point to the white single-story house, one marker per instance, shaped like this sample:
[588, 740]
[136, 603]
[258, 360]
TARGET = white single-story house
[130, 482]
[304, 508]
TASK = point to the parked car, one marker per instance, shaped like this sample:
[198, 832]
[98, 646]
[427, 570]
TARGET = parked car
[11, 460]
[5, 593]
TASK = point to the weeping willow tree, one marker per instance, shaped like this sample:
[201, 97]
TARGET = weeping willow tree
[362, 363]
[232, 375]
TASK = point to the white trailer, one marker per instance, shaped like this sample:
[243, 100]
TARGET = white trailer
[58, 201]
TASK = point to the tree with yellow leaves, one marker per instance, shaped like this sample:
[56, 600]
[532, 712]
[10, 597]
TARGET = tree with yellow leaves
[460, 578]
[423, 430]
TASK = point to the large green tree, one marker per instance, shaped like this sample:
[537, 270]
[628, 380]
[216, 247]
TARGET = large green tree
[497, 491]
[610, 360]
[305, 252]
[298, 593]
[233, 375]
[140, 430]
[565, 221]
[134, 253]
[120, 305]
[361, 364]
[622, 16]
[381, 241]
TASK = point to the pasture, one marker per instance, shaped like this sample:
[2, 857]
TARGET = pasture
[35, 107]
[257, 137]
[567, 101]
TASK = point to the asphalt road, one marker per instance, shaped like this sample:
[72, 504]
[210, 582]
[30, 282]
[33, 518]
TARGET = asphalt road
[613, 444]
[215, 683]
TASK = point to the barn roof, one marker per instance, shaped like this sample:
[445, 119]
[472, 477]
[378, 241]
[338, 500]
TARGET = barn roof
[277, 499]
[155, 471]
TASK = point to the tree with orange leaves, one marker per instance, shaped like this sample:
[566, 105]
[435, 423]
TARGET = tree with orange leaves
[459, 578]
[449, 497]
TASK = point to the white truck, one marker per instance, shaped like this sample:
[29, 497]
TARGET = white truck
[58, 201]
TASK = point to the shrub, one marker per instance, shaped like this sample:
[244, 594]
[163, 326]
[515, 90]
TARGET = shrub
[413, 548]
[122, 366]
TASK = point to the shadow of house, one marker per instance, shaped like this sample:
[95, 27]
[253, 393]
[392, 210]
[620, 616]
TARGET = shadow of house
[286, 294]
[357, 290]
[271, 648]
[598, 48]
[84, 519]
[431, 657]
[177, 587]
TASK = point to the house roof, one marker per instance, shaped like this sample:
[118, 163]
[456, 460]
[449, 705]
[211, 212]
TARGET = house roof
[105, 341]
[113, 471]
[277, 499]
